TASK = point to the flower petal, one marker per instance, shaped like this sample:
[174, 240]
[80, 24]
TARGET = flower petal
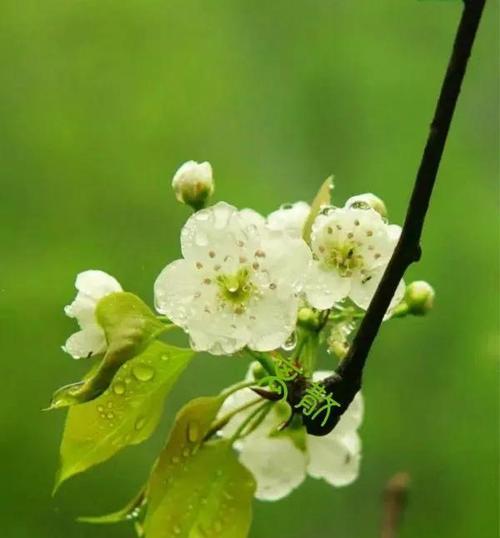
[85, 343]
[363, 288]
[289, 218]
[96, 284]
[333, 458]
[277, 465]
[324, 288]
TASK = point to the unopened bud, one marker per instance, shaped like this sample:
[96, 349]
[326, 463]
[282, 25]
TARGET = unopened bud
[308, 318]
[367, 200]
[193, 184]
[258, 371]
[419, 297]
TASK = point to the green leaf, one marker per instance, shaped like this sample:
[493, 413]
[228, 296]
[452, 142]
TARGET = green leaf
[322, 198]
[125, 414]
[129, 512]
[130, 326]
[198, 490]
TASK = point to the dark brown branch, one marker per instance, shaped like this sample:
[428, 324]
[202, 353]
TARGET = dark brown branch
[346, 382]
[395, 501]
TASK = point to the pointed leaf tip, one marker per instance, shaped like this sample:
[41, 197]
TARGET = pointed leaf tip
[322, 198]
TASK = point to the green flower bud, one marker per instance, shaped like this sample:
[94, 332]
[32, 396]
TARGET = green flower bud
[258, 371]
[368, 200]
[193, 184]
[308, 318]
[419, 297]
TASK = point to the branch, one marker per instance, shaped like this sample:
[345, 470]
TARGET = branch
[346, 381]
[395, 501]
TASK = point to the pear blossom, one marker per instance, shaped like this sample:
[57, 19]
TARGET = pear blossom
[92, 286]
[290, 218]
[193, 183]
[280, 461]
[351, 248]
[237, 284]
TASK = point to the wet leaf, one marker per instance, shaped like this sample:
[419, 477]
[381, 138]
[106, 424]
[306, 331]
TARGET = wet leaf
[130, 326]
[198, 490]
[322, 198]
[125, 414]
[129, 512]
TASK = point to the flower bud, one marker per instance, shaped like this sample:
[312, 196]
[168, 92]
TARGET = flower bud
[419, 297]
[368, 200]
[308, 318]
[193, 184]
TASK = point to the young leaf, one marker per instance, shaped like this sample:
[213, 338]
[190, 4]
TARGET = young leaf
[129, 325]
[322, 198]
[196, 489]
[125, 414]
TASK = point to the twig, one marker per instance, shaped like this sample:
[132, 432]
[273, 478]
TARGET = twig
[346, 381]
[395, 501]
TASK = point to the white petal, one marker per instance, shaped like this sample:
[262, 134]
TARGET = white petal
[83, 309]
[85, 343]
[274, 316]
[175, 289]
[333, 458]
[287, 259]
[324, 288]
[212, 230]
[363, 288]
[96, 284]
[290, 218]
[277, 465]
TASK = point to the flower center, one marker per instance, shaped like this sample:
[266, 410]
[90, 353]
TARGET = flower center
[236, 289]
[342, 257]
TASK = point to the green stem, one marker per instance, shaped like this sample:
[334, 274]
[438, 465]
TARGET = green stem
[220, 423]
[248, 421]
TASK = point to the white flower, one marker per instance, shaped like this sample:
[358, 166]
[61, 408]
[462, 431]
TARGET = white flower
[280, 463]
[92, 286]
[193, 183]
[351, 248]
[237, 284]
[290, 218]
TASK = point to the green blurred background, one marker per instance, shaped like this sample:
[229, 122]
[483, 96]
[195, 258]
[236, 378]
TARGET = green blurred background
[101, 100]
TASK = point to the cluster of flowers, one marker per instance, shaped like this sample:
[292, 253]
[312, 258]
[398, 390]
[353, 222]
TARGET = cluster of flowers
[241, 282]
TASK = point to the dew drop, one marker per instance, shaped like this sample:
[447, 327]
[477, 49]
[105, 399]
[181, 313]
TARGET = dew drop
[165, 357]
[143, 372]
[291, 342]
[100, 408]
[176, 459]
[110, 416]
[119, 388]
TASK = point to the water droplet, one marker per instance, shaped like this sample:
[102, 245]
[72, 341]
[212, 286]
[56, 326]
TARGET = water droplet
[286, 206]
[176, 459]
[186, 452]
[143, 372]
[128, 380]
[110, 415]
[291, 342]
[165, 357]
[100, 408]
[119, 387]
[139, 423]
[193, 432]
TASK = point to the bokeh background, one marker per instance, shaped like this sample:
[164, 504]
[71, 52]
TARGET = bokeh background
[101, 100]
